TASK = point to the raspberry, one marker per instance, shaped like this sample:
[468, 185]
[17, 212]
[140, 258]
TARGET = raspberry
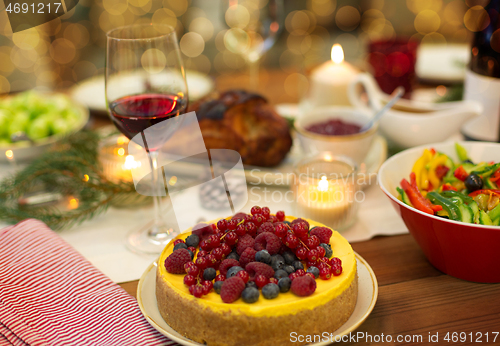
[231, 289]
[268, 241]
[247, 256]
[323, 233]
[258, 268]
[226, 264]
[300, 220]
[203, 231]
[174, 263]
[244, 242]
[266, 227]
[303, 286]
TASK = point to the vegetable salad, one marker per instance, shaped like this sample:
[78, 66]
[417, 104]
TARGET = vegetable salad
[462, 191]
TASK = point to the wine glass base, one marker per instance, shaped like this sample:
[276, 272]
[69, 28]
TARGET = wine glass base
[151, 240]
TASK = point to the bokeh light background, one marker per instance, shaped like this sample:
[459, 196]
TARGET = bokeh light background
[71, 48]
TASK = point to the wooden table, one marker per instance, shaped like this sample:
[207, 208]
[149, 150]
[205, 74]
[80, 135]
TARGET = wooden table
[415, 299]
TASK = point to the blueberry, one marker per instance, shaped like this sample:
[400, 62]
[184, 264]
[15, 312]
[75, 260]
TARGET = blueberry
[270, 291]
[251, 284]
[277, 262]
[233, 255]
[280, 273]
[313, 270]
[217, 286]
[193, 240]
[263, 256]
[289, 257]
[298, 265]
[191, 254]
[209, 274]
[289, 269]
[250, 295]
[284, 284]
[232, 271]
[328, 249]
[180, 246]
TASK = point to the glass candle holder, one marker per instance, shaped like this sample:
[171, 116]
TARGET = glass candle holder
[325, 190]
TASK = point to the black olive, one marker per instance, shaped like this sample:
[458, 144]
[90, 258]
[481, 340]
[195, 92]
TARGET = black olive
[468, 161]
[473, 182]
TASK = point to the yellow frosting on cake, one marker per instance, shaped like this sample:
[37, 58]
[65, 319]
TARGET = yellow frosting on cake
[285, 303]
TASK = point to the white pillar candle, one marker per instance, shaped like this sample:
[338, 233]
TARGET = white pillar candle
[330, 80]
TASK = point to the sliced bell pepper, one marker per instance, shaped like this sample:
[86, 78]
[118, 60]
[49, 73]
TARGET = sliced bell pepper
[419, 168]
[460, 173]
[453, 210]
[487, 171]
[485, 192]
[418, 201]
[433, 165]
[495, 176]
[448, 187]
[441, 171]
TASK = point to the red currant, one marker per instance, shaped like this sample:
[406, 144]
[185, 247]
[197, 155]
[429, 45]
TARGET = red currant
[272, 218]
[205, 245]
[231, 224]
[241, 230]
[248, 218]
[335, 260]
[325, 273]
[280, 230]
[244, 275]
[202, 253]
[300, 272]
[202, 262]
[265, 212]
[321, 251]
[291, 241]
[189, 280]
[212, 260]
[300, 229]
[218, 253]
[178, 241]
[256, 210]
[261, 281]
[258, 220]
[197, 291]
[222, 225]
[336, 270]
[312, 242]
[301, 253]
[191, 289]
[322, 264]
[231, 238]
[214, 241]
[280, 214]
[207, 286]
[226, 249]
[251, 228]
[293, 276]
[312, 264]
[192, 249]
[273, 281]
[312, 255]
[192, 269]
[220, 277]
[213, 227]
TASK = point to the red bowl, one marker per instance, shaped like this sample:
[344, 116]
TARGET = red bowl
[466, 251]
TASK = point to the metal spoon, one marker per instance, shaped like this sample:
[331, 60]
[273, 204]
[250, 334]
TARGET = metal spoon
[397, 95]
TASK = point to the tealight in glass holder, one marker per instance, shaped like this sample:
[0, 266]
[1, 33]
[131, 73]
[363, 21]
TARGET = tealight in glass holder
[326, 190]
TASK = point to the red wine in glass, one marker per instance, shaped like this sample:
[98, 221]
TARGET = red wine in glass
[133, 114]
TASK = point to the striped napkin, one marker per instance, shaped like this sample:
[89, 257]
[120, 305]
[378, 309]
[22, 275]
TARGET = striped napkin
[51, 295]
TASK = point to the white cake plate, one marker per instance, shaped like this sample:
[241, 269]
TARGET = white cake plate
[367, 297]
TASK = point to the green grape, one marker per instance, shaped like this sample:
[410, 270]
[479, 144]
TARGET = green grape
[60, 126]
[19, 123]
[5, 118]
[39, 128]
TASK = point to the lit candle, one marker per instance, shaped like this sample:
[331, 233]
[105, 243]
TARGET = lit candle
[116, 162]
[330, 80]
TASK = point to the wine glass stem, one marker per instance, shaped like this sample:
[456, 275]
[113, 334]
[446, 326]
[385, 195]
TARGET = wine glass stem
[253, 71]
[157, 190]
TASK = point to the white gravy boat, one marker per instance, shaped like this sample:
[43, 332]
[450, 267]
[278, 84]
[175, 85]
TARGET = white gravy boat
[411, 123]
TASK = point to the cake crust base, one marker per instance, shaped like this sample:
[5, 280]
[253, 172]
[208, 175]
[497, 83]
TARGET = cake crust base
[205, 326]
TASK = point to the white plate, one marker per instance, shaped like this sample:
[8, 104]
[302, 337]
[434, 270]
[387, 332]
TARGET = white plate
[91, 93]
[367, 297]
[282, 174]
[443, 63]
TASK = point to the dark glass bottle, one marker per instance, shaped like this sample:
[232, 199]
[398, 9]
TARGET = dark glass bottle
[482, 80]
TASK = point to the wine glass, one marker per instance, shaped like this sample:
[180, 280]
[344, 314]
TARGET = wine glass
[145, 86]
[254, 27]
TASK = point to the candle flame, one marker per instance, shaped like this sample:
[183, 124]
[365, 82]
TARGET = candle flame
[130, 163]
[121, 152]
[323, 184]
[10, 154]
[337, 53]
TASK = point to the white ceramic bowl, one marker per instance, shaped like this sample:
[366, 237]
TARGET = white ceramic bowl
[355, 146]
